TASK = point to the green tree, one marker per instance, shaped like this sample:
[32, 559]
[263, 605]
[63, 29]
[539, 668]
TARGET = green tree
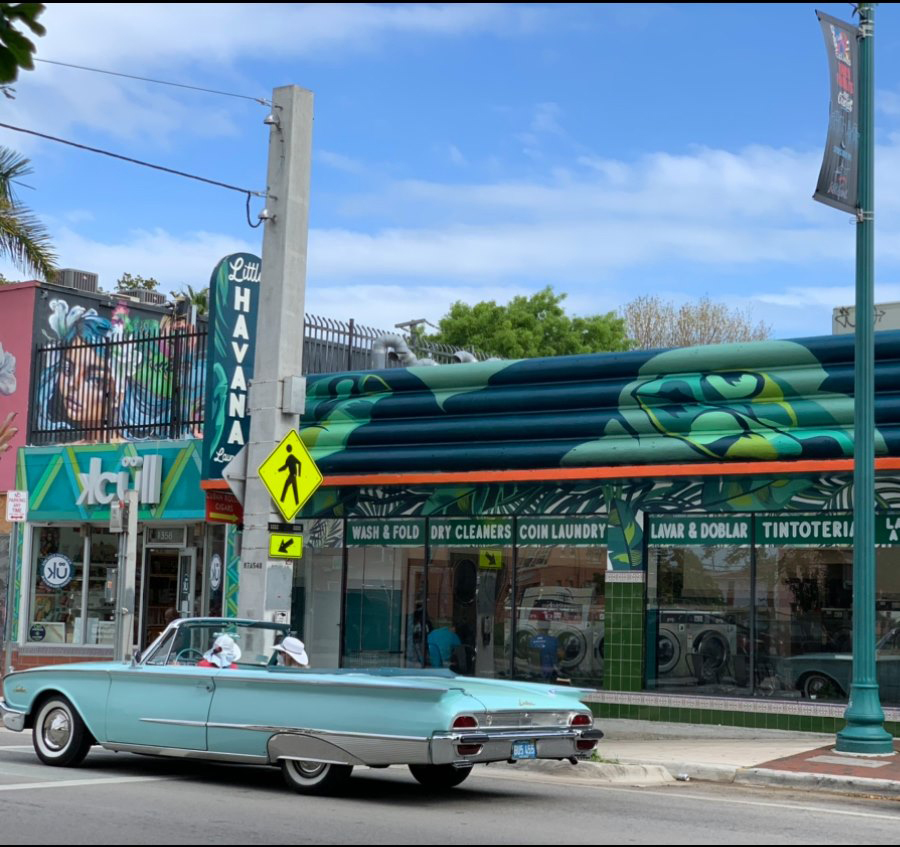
[23, 238]
[127, 282]
[15, 49]
[529, 326]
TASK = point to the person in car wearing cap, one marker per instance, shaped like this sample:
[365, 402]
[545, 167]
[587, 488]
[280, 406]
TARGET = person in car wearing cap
[223, 654]
[293, 652]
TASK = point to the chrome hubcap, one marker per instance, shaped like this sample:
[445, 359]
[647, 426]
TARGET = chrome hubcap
[57, 730]
[309, 769]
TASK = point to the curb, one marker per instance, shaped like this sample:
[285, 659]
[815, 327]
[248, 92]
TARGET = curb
[825, 782]
[632, 774]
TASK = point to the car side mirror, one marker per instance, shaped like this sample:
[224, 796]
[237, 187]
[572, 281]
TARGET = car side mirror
[136, 658]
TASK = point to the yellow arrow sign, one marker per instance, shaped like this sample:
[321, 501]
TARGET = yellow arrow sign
[285, 546]
[290, 475]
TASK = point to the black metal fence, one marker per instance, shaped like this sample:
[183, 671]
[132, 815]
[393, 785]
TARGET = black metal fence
[146, 386]
[153, 386]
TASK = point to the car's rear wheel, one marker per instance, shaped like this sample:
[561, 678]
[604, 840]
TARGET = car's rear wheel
[439, 776]
[314, 777]
[60, 737]
[819, 686]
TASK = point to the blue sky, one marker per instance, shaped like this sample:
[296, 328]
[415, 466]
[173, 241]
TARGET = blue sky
[469, 151]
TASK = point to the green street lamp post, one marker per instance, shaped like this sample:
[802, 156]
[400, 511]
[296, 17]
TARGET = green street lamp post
[864, 732]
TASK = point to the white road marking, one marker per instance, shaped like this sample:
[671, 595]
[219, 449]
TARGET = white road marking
[80, 783]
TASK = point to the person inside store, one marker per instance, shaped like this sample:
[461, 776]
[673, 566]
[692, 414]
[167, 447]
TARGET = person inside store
[442, 643]
[292, 653]
[223, 654]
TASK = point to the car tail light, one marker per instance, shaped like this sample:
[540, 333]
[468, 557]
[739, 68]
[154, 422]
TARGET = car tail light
[465, 722]
[585, 745]
[469, 749]
[581, 720]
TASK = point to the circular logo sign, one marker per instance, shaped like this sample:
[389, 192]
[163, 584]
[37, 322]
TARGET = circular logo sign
[215, 572]
[57, 570]
[37, 632]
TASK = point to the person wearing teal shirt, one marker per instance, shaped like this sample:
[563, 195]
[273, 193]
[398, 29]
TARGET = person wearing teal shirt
[441, 644]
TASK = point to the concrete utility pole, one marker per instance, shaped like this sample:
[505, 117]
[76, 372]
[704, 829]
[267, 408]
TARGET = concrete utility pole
[276, 393]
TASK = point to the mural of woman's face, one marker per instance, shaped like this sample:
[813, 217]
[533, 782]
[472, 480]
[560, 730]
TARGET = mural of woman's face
[86, 386]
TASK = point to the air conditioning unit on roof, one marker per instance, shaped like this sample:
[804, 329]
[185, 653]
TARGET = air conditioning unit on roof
[80, 280]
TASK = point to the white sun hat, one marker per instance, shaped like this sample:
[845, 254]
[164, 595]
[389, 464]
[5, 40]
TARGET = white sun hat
[294, 648]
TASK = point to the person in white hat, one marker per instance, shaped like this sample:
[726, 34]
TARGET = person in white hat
[294, 652]
[223, 654]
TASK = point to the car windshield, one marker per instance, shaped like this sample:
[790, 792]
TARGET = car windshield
[187, 643]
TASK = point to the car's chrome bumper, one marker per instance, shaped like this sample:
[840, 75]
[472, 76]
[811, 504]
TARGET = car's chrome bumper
[12, 718]
[497, 745]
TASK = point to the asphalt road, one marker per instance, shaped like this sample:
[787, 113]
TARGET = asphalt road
[122, 798]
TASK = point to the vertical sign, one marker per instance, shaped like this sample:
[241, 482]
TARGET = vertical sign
[840, 165]
[233, 307]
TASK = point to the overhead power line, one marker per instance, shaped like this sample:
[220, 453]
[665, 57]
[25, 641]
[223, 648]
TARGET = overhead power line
[262, 101]
[132, 161]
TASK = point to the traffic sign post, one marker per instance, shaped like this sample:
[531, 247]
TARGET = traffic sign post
[290, 475]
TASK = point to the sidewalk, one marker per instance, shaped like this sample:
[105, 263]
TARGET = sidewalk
[646, 752]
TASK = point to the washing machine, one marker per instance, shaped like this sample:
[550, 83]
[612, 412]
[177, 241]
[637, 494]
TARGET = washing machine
[695, 644]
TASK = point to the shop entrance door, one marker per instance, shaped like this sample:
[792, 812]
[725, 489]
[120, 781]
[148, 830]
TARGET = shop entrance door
[161, 585]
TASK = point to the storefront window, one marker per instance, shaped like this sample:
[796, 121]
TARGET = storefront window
[102, 583]
[57, 575]
[216, 570]
[316, 593]
[383, 622]
[467, 607]
[698, 590]
[560, 590]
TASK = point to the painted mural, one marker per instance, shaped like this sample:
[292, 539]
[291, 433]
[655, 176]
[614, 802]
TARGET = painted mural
[115, 377]
[757, 401]
[15, 372]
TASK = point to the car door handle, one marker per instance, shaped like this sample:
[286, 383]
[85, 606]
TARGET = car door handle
[207, 684]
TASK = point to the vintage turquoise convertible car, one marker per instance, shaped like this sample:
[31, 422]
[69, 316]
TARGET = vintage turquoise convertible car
[317, 725]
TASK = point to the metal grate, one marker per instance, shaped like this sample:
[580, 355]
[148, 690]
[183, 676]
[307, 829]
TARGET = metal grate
[148, 386]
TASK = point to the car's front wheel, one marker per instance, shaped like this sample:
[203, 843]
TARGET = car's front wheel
[314, 777]
[439, 776]
[60, 737]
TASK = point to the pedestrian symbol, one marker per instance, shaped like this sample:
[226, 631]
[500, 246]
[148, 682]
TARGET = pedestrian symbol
[290, 475]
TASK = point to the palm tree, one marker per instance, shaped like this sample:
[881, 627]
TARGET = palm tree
[198, 297]
[23, 238]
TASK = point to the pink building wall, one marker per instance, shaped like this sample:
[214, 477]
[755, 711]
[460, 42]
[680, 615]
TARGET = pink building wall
[16, 325]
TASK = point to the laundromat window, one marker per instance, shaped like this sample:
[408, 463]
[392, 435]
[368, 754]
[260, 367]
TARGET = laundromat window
[560, 600]
[699, 604]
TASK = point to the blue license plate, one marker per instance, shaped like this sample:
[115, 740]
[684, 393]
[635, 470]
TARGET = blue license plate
[524, 750]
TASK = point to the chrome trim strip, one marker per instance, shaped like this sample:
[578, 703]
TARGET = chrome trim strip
[174, 752]
[172, 722]
[294, 730]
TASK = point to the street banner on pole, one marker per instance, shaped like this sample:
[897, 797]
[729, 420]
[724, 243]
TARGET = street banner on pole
[838, 178]
[233, 307]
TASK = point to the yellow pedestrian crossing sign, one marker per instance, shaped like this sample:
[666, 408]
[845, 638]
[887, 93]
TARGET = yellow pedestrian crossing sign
[290, 475]
[285, 545]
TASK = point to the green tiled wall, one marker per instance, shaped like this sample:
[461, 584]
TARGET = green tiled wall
[623, 638]
[751, 720]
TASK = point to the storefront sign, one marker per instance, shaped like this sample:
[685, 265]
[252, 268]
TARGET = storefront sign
[99, 487]
[79, 483]
[37, 632]
[16, 506]
[672, 530]
[215, 572]
[223, 507]
[234, 305]
[563, 531]
[393, 533]
[57, 571]
[470, 532]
